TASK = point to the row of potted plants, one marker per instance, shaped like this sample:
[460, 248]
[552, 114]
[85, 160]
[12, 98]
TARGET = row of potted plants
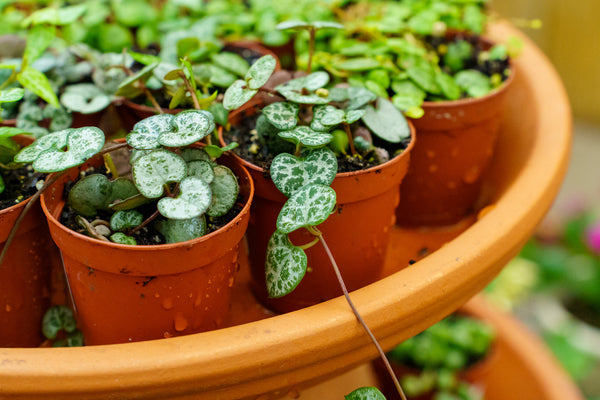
[327, 146]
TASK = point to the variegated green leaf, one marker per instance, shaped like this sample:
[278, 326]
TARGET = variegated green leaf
[319, 112]
[365, 393]
[82, 143]
[237, 95]
[353, 115]
[194, 199]
[152, 171]
[37, 82]
[195, 154]
[96, 192]
[260, 72]
[188, 127]
[282, 115]
[125, 219]
[297, 97]
[10, 95]
[201, 169]
[290, 173]
[231, 62]
[309, 206]
[122, 238]
[359, 97]
[55, 140]
[285, 265]
[306, 136]
[225, 191]
[315, 81]
[145, 133]
[386, 121]
[181, 230]
[333, 117]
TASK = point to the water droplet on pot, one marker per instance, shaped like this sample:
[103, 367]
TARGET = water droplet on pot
[198, 300]
[472, 175]
[167, 335]
[433, 168]
[180, 323]
[430, 153]
[156, 295]
[230, 282]
[8, 308]
[451, 185]
[454, 152]
[167, 303]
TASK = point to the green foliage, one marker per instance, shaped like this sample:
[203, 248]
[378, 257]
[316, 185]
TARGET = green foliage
[59, 326]
[365, 393]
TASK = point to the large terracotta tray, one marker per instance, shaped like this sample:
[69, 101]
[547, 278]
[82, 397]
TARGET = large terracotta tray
[268, 357]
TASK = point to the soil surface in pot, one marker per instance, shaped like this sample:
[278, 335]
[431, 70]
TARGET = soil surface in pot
[146, 235]
[252, 150]
[20, 185]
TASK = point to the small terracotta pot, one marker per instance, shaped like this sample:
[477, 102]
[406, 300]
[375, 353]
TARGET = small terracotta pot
[25, 274]
[125, 293]
[357, 232]
[456, 142]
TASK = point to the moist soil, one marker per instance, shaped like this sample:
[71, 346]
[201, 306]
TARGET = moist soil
[147, 235]
[257, 153]
[20, 185]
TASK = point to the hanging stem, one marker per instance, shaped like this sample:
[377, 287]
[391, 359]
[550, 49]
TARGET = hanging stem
[359, 317]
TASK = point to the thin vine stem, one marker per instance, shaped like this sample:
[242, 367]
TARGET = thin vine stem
[361, 320]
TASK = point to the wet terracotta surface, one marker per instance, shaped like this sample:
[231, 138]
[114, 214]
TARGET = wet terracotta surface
[272, 356]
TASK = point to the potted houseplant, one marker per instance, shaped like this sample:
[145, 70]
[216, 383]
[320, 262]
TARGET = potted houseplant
[447, 360]
[136, 292]
[431, 60]
[27, 262]
[313, 123]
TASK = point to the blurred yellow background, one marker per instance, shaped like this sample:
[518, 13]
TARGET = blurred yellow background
[569, 36]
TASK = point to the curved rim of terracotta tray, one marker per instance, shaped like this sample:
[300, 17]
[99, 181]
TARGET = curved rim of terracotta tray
[270, 355]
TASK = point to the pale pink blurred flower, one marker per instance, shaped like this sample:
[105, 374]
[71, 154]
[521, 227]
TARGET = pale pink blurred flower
[592, 236]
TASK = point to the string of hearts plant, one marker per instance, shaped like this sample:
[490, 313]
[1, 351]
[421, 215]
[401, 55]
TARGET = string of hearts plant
[317, 122]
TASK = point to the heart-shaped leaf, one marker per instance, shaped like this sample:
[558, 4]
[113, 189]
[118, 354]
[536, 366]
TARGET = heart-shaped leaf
[195, 154]
[319, 111]
[225, 191]
[11, 95]
[386, 121]
[154, 170]
[125, 219]
[306, 136]
[231, 62]
[144, 135]
[448, 85]
[122, 238]
[96, 192]
[201, 169]
[309, 206]
[85, 98]
[260, 72]
[359, 97]
[193, 200]
[290, 173]
[285, 265]
[315, 81]
[333, 117]
[188, 127]
[237, 95]
[475, 83]
[82, 143]
[55, 140]
[181, 230]
[282, 115]
[365, 393]
[353, 115]
[297, 96]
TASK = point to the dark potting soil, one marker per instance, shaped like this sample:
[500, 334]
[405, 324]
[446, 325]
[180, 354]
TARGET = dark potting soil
[20, 185]
[252, 150]
[146, 235]
[584, 311]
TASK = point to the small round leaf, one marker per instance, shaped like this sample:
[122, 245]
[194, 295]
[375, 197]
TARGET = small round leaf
[260, 72]
[181, 230]
[125, 219]
[285, 265]
[201, 169]
[237, 95]
[282, 115]
[188, 127]
[306, 136]
[122, 238]
[290, 173]
[224, 189]
[193, 200]
[152, 171]
[145, 133]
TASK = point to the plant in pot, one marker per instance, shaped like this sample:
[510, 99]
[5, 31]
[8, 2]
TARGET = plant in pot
[157, 250]
[449, 360]
[309, 142]
[25, 272]
[435, 67]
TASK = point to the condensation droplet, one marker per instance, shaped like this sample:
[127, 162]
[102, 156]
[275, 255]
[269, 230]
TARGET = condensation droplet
[451, 185]
[198, 300]
[180, 322]
[430, 153]
[167, 335]
[230, 282]
[156, 295]
[8, 308]
[433, 168]
[472, 175]
[294, 393]
[167, 303]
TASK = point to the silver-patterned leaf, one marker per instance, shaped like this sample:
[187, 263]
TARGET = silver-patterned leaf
[55, 140]
[224, 189]
[282, 115]
[359, 97]
[319, 112]
[122, 238]
[201, 169]
[152, 171]
[97, 192]
[309, 206]
[125, 219]
[188, 127]
[292, 24]
[237, 95]
[290, 173]
[145, 133]
[285, 265]
[306, 136]
[353, 115]
[195, 154]
[296, 96]
[333, 117]
[316, 80]
[260, 72]
[82, 143]
[193, 200]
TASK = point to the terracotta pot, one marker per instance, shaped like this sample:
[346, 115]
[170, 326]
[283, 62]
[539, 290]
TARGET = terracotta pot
[456, 142]
[357, 233]
[25, 274]
[125, 293]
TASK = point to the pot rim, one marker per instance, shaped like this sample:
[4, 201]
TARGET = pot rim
[140, 248]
